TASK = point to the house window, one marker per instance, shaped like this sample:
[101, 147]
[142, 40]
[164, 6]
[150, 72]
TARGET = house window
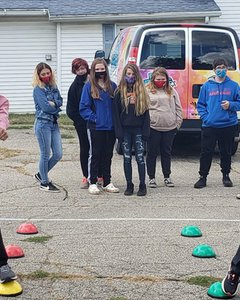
[108, 37]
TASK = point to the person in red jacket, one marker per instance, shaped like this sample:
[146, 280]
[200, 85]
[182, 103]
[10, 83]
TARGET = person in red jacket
[6, 274]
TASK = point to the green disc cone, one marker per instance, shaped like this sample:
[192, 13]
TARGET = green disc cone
[215, 291]
[191, 231]
[203, 251]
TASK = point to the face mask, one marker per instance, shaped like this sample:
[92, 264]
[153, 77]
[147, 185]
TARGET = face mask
[100, 74]
[159, 83]
[221, 73]
[82, 77]
[130, 80]
[46, 80]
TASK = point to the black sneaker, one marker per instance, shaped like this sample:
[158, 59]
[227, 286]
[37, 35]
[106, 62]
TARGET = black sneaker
[201, 183]
[230, 283]
[38, 177]
[49, 187]
[227, 182]
[129, 190]
[6, 274]
[142, 190]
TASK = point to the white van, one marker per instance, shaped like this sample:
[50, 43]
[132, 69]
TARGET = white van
[186, 51]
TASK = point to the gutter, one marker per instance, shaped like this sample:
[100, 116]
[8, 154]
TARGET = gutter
[134, 17]
[23, 12]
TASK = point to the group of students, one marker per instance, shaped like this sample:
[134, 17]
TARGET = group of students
[134, 113]
[130, 112]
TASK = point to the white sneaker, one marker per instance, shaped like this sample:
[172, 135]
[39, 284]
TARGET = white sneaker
[152, 183]
[111, 188]
[93, 189]
[168, 182]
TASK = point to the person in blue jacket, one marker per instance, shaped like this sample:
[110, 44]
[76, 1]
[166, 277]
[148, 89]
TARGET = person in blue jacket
[96, 108]
[47, 101]
[218, 103]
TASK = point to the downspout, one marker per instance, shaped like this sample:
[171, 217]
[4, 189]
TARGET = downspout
[59, 56]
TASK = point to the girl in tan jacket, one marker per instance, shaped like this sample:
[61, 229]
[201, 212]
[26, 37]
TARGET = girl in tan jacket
[165, 119]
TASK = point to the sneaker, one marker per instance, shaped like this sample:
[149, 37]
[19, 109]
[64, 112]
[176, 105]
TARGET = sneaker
[230, 284]
[49, 187]
[100, 181]
[93, 189]
[201, 183]
[110, 188]
[238, 196]
[152, 183]
[142, 190]
[84, 183]
[168, 182]
[38, 177]
[227, 182]
[129, 190]
[6, 274]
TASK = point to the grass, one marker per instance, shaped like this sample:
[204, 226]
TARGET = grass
[8, 153]
[204, 281]
[39, 274]
[38, 239]
[26, 121]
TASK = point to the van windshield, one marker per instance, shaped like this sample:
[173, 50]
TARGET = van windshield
[207, 45]
[165, 48]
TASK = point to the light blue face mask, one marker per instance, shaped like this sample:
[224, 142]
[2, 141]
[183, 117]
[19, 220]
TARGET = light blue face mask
[221, 73]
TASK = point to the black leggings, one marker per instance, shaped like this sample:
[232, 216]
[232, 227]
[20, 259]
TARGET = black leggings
[3, 253]
[235, 264]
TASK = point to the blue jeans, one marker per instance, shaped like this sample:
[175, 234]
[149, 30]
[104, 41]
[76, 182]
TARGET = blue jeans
[133, 135]
[49, 138]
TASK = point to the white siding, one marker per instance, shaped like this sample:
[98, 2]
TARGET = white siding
[230, 14]
[23, 46]
[77, 41]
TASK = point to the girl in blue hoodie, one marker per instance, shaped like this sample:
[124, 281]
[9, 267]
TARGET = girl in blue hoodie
[218, 103]
[96, 108]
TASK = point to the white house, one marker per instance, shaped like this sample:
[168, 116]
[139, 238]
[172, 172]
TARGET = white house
[56, 32]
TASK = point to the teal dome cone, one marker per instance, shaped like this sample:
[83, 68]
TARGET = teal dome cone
[203, 251]
[215, 291]
[191, 231]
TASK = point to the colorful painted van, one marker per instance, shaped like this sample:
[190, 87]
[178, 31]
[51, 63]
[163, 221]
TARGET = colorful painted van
[186, 51]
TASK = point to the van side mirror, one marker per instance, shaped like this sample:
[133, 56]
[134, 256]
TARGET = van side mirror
[100, 54]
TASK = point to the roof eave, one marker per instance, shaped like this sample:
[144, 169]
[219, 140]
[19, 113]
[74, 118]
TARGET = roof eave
[23, 12]
[134, 17]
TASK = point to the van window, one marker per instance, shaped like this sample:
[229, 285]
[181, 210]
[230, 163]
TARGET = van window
[207, 45]
[164, 48]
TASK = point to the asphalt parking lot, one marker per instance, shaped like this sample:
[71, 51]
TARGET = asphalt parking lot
[112, 247]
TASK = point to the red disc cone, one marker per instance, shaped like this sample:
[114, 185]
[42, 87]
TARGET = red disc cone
[27, 228]
[14, 251]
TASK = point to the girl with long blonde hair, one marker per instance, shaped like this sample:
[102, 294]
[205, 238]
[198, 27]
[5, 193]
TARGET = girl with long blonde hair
[47, 101]
[131, 123]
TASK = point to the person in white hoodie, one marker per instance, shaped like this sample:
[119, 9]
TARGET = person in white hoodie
[165, 119]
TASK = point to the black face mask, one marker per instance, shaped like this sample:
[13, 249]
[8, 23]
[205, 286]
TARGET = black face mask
[100, 74]
[82, 77]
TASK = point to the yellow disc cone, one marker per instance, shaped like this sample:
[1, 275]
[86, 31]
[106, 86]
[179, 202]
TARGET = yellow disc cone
[12, 288]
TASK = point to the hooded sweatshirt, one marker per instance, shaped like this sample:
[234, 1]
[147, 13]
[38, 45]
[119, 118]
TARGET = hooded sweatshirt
[4, 105]
[211, 95]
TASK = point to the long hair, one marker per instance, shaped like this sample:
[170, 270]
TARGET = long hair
[163, 72]
[36, 76]
[142, 98]
[95, 87]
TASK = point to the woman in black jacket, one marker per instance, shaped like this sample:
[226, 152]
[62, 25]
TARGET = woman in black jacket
[81, 69]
